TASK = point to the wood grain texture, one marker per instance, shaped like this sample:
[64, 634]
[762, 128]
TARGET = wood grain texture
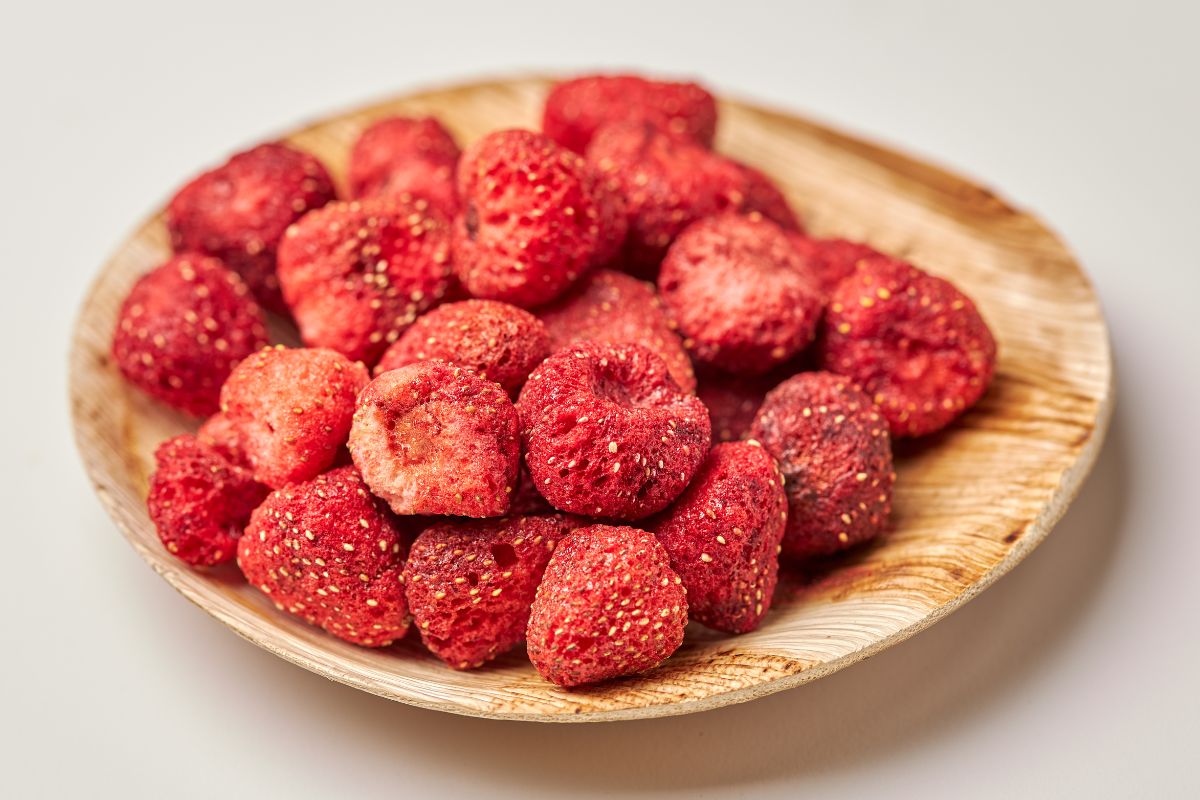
[970, 502]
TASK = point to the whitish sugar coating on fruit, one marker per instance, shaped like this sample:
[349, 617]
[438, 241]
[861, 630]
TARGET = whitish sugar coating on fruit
[328, 552]
[742, 296]
[608, 433]
[723, 536]
[181, 330]
[291, 409]
[499, 341]
[609, 306]
[200, 502]
[470, 583]
[530, 224]
[577, 108]
[833, 448]
[433, 438]
[357, 274]
[608, 605]
[411, 159]
[239, 211]
[912, 341]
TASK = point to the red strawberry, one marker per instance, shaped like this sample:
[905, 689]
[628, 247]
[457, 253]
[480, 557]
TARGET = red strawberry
[502, 343]
[408, 159]
[470, 584]
[608, 306]
[576, 109]
[330, 553]
[743, 298]
[833, 449]
[607, 432]
[291, 410]
[239, 211]
[357, 274]
[432, 438]
[182, 329]
[913, 342]
[533, 220]
[199, 502]
[608, 605]
[723, 536]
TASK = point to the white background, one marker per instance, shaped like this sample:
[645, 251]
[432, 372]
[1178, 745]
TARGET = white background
[1073, 676]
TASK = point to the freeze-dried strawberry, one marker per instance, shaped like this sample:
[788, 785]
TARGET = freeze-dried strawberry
[433, 438]
[292, 410]
[330, 553]
[742, 296]
[612, 215]
[723, 536]
[181, 330]
[526, 499]
[764, 197]
[357, 274]
[406, 158]
[831, 260]
[608, 605]
[608, 306]
[732, 401]
[223, 435]
[577, 108]
[499, 341]
[607, 432]
[239, 211]
[470, 584]
[668, 183]
[531, 224]
[199, 502]
[912, 341]
[833, 448]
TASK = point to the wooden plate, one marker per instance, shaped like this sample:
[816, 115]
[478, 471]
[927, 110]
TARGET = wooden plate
[970, 503]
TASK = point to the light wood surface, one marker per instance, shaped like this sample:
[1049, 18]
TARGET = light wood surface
[970, 502]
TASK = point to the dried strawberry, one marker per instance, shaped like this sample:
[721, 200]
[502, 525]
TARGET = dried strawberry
[577, 108]
[608, 605]
[914, 342]
[224, 435]
[410, 159]
[199, 502]
[608, 306]
[433, 438]
[666, 182]
[607, 432]
[531, 224]
[330, 553]
[764, 197]
[470, 584]
[723, 536]
[292, 410]
[831, 260]
[357, 274]
[742, 296]
[501, 342]
[239, 211]
[833, 448]
[181, 330]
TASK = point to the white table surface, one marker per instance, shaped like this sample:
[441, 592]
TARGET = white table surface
[1073, 676]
